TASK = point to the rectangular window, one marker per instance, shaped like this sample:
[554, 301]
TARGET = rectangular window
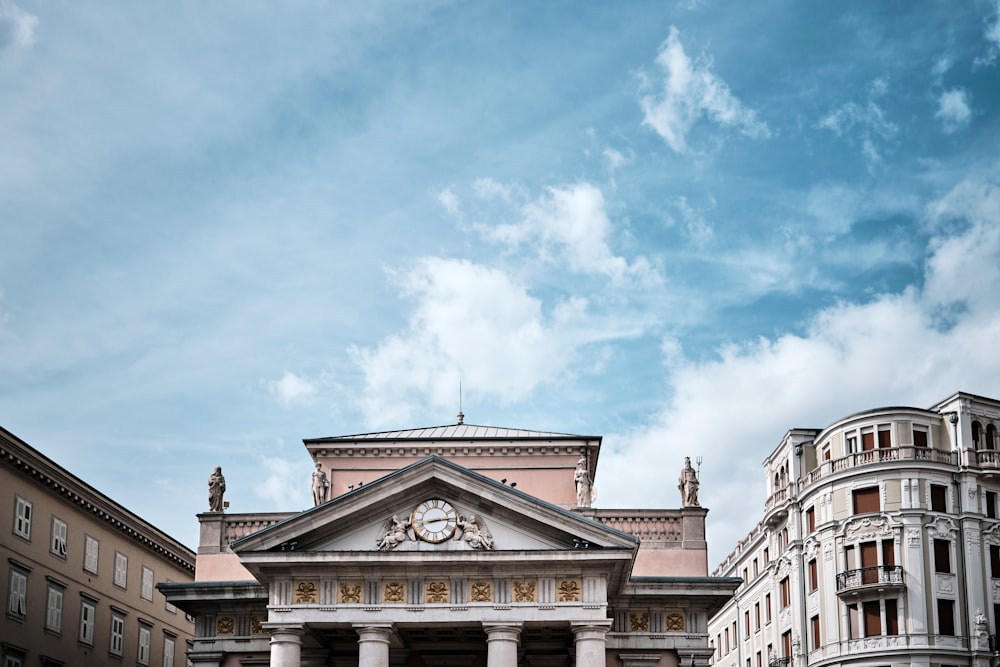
[814, 631]
[873, 618]
[786, 644]
[144, 635]
[760, 660]
[852, 444]
[919, 437]
[53, 609]
[756, 616]
[117, 634]
[90, 553]
[767, 556]
[853, 622]
[939, 498]
[866, 500]
[121, 569]
[946, 617]
[810, 520]
[942, 557]
[12, 657]
[884, 437]
[891, 617]
[88, 614]
[995, 561]
[746, 577]
[746, 624]
[756, 568]
[168, 652]
[867, 440]
[785, 593]
[727, 641]
[767, 608]
[813, 575]
[991, 505]
[59, 533]
[22, 518]
[888, 552]
[17, 599]
[147, 584]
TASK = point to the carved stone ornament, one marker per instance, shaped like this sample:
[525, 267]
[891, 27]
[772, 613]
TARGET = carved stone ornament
[811, 547]
[867, 527]
[782, 566]
[638, 621]
[225, 625]
[256, 627]
[996, 591]
[306, 592]
[437, 591]
[394, 591]
[481, 591]
[675, 621]
[525, 590]
[349, 592]
[941, 528]
[913, 537]
[945, 583]
[992, 535]
[569, 590]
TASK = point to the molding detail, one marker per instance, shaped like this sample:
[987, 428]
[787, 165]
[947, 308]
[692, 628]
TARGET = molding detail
[942, 527]
[867, 527]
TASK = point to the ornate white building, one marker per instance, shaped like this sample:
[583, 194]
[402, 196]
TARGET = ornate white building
[879, 544]
[454, 546]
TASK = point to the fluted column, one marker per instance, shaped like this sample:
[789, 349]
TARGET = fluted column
[286, 644]
[590, 640]
[373, 645]
[501, 644]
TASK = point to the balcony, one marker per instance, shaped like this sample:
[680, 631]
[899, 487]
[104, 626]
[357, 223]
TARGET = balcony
[879, 577]
[779, 662]
[986, 459]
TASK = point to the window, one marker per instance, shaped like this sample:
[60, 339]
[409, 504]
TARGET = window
[852, 444]
[760, 661]
[746, 619]
[144, 634]
[946, 617]
[991, 505]
[59, 532]
[786, 644]
[746, 577]
[813, 575]
[22, 518]
[90, 552]
[873, 618]
[891, 617]
[756, 568]
[811, 519]
[53, 608]
[814, 631]
[939, 498]
[767, 608]
[867, 440]
[17, 599]
[866, 500]
[995, 561]
[884, 437]
[888, 552]
[826, 453]
[121, 569]
[767, 556]
[784, 589]
[727, 641]
[853, 622]
[88, 613]
[942, 557]
[919, 436]
[168, 652]
[756, 616]
[117, 633]
[147, 584]
[12, 657]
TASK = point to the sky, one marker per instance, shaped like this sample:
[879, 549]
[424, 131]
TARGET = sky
[229, 226]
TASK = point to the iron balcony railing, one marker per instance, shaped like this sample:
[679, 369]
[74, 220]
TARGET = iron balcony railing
[779, 662]
[879, 575]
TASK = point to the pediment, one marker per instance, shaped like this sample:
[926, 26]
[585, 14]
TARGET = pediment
[435, 506]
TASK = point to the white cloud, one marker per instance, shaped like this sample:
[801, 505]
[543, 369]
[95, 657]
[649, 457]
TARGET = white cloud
[285, 484]
[690, 92]
[449, 200]
[614, 158]
[905, 349]
[489, 189]
[698, 230]
[17, 27]
[864, 123]
[992, 35]
[953, 109]
[291, 389]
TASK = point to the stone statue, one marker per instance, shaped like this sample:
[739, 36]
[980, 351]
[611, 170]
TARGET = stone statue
[475, 533]
[320, 485]
[584, 488]
[688, 485]
[216, 488]
[393, 533]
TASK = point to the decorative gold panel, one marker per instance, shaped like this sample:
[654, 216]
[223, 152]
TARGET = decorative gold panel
[436, 591]
[306, 592]
[569, 590]
[225, 625]
[255, 626]
[394, 591]
[638, 621]
[675, 621]
[525, 590]
[481, 591]
[349, 592]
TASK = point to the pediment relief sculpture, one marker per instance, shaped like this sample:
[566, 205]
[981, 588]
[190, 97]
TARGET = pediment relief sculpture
[435, 521]
[866, 527]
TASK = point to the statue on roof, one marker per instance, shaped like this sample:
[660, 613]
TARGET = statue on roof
[687, 483]
[216, 489]
[584, 486]
[320, 485]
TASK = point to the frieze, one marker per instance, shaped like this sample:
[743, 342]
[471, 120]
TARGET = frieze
[349, 592]
[867, 527]
[675, 621]
[256, 626]
[306, 592]
[436, 591]
[946, 583]
[638, 621]
[394, 591]
[225, 625]
[569, 590]
[913, 537]
[481, 591]
[525, 590]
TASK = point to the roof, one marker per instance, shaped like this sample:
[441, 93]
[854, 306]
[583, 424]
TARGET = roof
[454, 432]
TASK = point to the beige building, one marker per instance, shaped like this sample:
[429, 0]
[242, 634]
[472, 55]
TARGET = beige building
[80, 572]
[454, 546]
[879, 544]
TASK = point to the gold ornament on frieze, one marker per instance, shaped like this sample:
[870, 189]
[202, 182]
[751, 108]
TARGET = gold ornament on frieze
[394, 591]
[225, 625]
[255, 626]
[524, 590]
[638, 621]
[306, 592]
[349, 592]
[436, 591]
[675, 621]
[569, 590]
[481, 591]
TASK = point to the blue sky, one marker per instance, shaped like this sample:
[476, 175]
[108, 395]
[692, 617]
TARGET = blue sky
[225, 227]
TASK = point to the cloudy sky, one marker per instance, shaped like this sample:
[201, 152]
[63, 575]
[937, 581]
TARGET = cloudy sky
[225, 227]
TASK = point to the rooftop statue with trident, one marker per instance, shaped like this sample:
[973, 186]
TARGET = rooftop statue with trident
[687, 483]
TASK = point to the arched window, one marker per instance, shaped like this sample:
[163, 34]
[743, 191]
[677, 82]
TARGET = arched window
[976, 434]
[991, 437]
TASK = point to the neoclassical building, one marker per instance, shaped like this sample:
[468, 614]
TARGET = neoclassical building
[80, 572]
[454, 546]
[879, 544]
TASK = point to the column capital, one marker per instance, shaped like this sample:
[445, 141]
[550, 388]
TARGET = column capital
[502, 631]
[292, 629]
[373, 632]
[591, 629]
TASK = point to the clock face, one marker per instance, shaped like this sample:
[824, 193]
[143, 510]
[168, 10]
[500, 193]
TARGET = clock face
[434, 520]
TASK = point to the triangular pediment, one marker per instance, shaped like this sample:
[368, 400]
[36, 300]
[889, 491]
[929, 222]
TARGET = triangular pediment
[435, 506]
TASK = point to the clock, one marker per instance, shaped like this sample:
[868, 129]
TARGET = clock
[434, 520]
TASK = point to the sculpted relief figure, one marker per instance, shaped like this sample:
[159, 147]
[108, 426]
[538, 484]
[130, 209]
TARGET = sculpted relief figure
[320, 485]
[475, 533]
[394, 533]
[687, 483]
[216, 488]
[584, 487]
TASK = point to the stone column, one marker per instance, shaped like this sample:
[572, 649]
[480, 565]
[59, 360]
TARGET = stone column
[501, 644]
[373, 645]
[589, 641]
[286, 644]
